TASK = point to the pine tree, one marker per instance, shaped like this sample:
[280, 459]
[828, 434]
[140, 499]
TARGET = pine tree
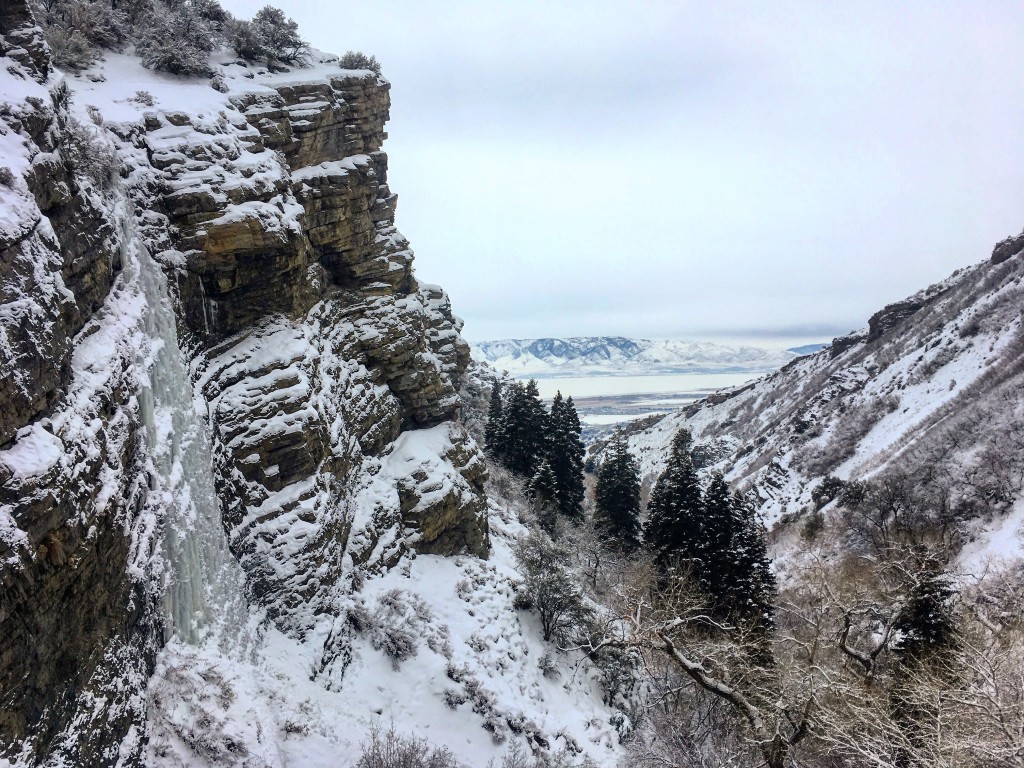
[565, 453]
[543, 488]
[494, 432]
[747, 587]
[720, 526]
[617, 496]
[675, 524]
[525, 429]
[926, 624]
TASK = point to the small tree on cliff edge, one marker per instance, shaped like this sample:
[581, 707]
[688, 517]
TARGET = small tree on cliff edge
[617, 496]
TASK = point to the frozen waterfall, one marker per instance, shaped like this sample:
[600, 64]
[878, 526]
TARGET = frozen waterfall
[204, 591]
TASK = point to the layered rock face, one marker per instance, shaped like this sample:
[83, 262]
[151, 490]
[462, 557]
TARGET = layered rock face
[327, 371]
[316, 346]
[74, 605]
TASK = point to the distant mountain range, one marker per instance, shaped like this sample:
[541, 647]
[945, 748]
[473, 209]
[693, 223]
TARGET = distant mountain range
[617, 355]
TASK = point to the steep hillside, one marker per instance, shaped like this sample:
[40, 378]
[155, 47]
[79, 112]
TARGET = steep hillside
[615, 355]
[931, 391]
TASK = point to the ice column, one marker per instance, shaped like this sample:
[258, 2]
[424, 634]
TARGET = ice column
[204, 597]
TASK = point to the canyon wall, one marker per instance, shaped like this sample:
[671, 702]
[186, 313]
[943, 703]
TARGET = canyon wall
[327, 373]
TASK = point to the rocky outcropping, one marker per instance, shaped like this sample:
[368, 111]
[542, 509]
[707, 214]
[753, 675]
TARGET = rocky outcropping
[328, 373]
[1007, 249]
[316, 346]
[75, 610]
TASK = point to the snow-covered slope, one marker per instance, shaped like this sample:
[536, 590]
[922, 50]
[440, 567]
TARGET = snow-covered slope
[932, 389]
[615, 355]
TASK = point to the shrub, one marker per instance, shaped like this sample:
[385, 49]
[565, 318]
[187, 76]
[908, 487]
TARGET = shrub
[179, 42]
[143, 97]
[826, 491]
[71, 50]
[516, 757]
[389, 749]
[245, 40]
[813, 525]
[86, 153]
[211, 11]
[547, 666]
[359, 60]
[279, 36]
[102, 25]
[550, 588]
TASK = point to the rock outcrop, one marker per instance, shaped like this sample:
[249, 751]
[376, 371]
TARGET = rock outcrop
[328, 373]
[75, 610]
[1007, 249]
[316, 346]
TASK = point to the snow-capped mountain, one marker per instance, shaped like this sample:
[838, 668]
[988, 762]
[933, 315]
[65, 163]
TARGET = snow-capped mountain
[616, 355]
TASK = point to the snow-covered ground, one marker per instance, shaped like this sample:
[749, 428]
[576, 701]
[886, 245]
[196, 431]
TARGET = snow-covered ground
[472, 680]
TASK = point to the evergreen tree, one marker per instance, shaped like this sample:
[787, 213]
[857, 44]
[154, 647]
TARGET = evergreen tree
[617, 496]
[675, 523]
[927, 635]
[525, 429]
[543, 488]
[494, 432]
[926, 624]
[565, 454]
[720, 526]
[747, 587]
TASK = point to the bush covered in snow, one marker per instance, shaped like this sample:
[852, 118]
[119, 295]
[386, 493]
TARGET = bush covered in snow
[270, 37]
[179, 42]
[87, 153]
[175, 36]
[550, 588]
[390, 749]
[396, 625]
[76, 29]
[359, 60]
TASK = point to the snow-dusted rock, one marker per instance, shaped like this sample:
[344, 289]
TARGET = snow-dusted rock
[326, 373]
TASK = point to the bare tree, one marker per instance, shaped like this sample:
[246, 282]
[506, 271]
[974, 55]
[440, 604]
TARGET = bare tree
[733, 664]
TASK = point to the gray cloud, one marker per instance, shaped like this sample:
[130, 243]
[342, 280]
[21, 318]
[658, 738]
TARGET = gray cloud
[683, 168]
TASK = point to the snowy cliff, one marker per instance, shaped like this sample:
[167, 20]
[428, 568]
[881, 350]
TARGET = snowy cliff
[317, 389]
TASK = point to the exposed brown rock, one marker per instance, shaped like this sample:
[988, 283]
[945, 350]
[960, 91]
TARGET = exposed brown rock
[1007, 249]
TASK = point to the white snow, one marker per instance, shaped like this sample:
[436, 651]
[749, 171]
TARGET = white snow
[464, 626]
[35, 452]
[616, 356]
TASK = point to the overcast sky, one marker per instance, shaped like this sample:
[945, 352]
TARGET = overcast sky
[678, 169]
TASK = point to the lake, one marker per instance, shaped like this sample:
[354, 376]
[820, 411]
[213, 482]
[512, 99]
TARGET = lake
[681, 385]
